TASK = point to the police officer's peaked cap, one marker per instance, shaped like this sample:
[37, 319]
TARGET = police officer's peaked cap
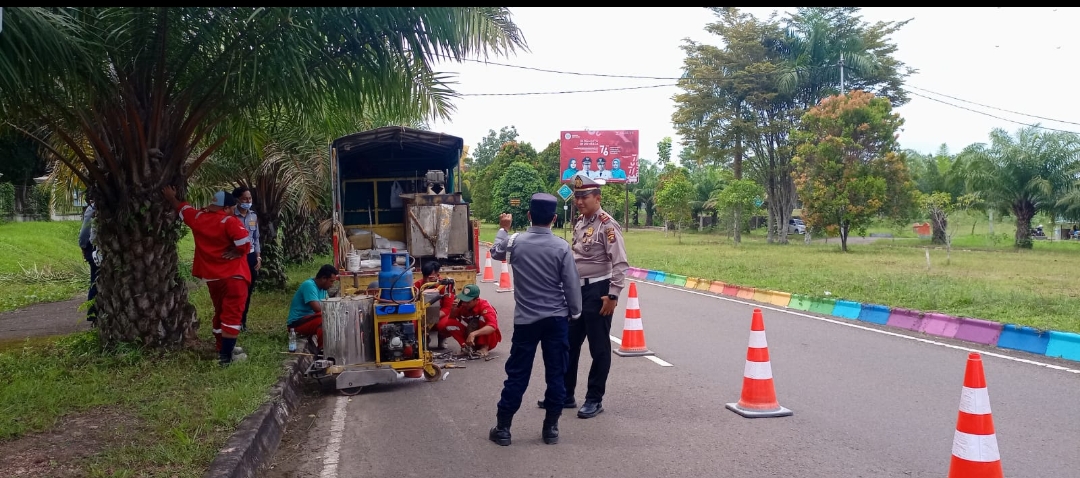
[542, 206]
[584, 184]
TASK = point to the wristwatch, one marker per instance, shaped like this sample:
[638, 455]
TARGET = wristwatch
[613, 297]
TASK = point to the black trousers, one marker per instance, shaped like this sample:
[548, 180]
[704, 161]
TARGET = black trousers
[550, 334]
[252, 259]
[597, 329]
[88, 255]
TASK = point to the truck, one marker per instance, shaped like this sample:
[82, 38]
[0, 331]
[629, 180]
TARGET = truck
[399, 189]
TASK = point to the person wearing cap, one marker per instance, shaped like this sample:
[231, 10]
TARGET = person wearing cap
[87, 238]
[254, 258]
[221, 247]
[601, 169]
[473, 322]
[586, 167]
[600, 257]
[547, 300]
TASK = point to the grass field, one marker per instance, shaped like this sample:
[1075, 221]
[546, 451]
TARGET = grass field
[985, 278]
[137, 414]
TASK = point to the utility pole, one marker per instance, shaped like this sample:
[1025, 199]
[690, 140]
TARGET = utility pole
[841, 73]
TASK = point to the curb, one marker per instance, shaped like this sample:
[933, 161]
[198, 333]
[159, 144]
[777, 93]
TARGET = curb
[257, 437]
[1049, 343]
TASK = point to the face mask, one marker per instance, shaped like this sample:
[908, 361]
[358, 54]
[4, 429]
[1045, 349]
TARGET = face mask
[245, 205]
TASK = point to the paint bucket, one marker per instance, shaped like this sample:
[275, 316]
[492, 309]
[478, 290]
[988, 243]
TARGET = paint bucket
[352, 262]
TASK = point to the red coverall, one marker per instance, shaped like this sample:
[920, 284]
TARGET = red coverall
[215, 233]
[455, 323]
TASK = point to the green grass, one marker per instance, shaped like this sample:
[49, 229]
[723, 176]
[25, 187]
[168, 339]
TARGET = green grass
[42, 262]
[985, 279]
[183, 406]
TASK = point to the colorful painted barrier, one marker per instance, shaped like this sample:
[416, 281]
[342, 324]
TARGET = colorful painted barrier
[941, 325]
[847, 309]
[1056, 344]
[905, 319]
[874, 313]
[800, 302]
[979, 331]
[1025, 339]
[822, 306]
[1065, 345]
[716, 287]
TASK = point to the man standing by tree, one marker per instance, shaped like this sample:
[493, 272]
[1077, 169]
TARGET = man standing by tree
[254, 257]
[87, 237]
[221, 247]
[600, 257]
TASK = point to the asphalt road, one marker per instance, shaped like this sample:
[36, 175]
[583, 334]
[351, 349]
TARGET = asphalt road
[866, 404]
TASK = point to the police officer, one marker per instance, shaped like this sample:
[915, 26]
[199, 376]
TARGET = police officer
[546, 302]
[600, 256]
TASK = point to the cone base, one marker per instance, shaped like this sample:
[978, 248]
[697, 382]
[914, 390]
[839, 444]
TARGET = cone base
[747, 413]
[504, 290]
[633, 353]
[488, 281]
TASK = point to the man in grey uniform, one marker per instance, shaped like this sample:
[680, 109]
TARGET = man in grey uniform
[87, 241]
[600, 256]
[546, 299]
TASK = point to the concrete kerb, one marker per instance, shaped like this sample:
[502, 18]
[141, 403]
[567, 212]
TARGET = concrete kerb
[256, 439]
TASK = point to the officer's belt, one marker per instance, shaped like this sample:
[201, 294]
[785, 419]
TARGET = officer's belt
[593, 280]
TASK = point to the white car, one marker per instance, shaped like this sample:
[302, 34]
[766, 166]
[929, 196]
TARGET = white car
[796, 226]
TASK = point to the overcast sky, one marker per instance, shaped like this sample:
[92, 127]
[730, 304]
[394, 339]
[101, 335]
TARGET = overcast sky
[1018, 59]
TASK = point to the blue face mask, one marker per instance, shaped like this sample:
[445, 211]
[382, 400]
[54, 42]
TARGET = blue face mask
[245, 205]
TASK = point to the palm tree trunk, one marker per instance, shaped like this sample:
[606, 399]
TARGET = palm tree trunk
[1023, 211]
[141, 297]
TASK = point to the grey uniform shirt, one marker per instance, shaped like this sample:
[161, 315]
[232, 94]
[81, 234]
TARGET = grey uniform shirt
[251, 223]
[599, 249]
[88, 232]
[546, 281]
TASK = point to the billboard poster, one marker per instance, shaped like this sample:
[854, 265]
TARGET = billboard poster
[610, 154]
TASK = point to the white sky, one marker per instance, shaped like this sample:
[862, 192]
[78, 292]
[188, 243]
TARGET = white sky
[1019, 59]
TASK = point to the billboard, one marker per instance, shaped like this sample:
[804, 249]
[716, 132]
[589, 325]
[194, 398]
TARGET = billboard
[611, 155]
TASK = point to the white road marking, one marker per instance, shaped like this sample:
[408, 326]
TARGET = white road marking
[657, 360]
[333, 445]
[850, 323]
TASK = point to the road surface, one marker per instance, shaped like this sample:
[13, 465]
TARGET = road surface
[868, 402]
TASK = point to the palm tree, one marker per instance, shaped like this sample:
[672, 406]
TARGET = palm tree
[147, 88]
[1025, 175]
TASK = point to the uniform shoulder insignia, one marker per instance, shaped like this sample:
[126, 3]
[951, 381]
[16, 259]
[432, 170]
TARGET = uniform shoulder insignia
[604, 218]
[579, 217]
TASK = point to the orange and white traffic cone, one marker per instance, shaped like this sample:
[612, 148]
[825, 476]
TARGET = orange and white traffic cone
[758, 398]
[489, 272]
[975, 449]
[505, 284]
[633, 334]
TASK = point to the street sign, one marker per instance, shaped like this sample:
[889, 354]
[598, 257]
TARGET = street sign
[565, 192]
[758, 202]
[515, 201]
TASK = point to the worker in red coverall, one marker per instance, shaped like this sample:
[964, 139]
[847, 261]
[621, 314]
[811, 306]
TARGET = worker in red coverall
[473, 323]
[430, 275]
[221, 247]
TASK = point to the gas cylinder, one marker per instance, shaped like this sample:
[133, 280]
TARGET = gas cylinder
[395, 281]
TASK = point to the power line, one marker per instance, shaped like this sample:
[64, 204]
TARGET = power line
[993, 107]
[992, 116]
[688, 78]
[533, 93]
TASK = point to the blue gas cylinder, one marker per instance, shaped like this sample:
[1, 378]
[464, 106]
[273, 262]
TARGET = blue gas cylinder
[395, 281]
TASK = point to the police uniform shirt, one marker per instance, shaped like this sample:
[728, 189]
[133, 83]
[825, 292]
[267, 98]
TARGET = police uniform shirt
[251, 224]
[599, 249]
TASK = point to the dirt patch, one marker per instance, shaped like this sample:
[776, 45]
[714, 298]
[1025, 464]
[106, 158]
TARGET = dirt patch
[60, 452]
[39, 320]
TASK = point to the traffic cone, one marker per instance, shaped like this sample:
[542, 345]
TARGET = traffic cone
[633, 334]
[489, 272]
[758, 394]
[505, 285]
[975, 449]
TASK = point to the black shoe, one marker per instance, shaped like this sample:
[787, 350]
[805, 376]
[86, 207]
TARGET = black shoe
[500, 435]
[569, 403]
[550, 434]
[590, 409]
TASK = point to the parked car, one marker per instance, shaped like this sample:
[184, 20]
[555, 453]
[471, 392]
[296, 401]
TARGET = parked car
[796, 226]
